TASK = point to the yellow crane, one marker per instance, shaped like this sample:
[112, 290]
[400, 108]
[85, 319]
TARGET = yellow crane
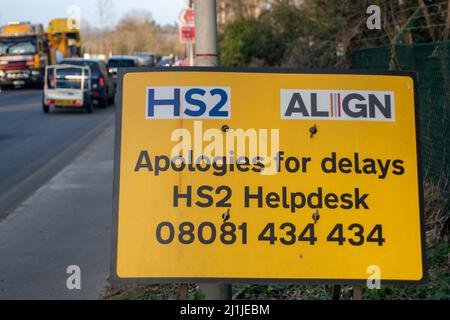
[64, 39]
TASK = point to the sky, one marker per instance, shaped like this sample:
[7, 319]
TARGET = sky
[42, 11]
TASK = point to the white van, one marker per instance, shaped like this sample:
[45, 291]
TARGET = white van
[67, 86]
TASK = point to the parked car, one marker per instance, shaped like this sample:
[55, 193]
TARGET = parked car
[116, 62]
[166, 61]
[67, 86]
[146, 59]
[102, 83]
[183, 63]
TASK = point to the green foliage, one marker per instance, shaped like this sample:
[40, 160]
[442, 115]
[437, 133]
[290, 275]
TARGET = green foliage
[247, 40]
[196, 295]
[282, 36]
[141, 292]
[322, 34]
[261, 41]
[438, 286]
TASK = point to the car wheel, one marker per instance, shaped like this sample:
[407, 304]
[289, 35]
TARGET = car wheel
[103, 103]
[89, 107]
[111, 99]
[45, 108]
[37, 85]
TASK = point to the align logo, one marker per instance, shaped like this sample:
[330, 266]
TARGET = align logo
[188, 102]
[337, 105]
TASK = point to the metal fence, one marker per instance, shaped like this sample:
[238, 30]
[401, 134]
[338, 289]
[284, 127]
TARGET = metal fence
[431, 62]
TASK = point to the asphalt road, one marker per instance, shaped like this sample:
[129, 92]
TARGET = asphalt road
[34, 146]
[55, 198]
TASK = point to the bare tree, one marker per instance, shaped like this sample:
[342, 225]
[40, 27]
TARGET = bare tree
[447, 21]
[105, 13]
[135, 31]
[402, 18]
[426, 14]
[232, 10]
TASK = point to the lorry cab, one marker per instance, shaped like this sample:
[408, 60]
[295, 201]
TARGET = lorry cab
[23, 54]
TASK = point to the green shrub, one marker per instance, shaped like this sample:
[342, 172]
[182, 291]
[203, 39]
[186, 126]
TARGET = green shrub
[248, 40]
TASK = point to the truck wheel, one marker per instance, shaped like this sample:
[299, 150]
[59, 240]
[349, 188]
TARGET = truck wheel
[45, 108]
[89, 107]
[104, 102]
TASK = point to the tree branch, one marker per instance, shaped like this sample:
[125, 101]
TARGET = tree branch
[424, 8]
[447, 22]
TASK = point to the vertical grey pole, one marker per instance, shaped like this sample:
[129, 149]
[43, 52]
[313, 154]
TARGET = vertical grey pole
[216, 291]
[206, 55]
[183, 288]
[357, 292]
[191, 53]
[190, 43]
[205, 33]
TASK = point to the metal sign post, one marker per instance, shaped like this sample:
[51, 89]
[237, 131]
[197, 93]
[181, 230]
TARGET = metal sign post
[206, 55]
[206, 33]
[187, 31]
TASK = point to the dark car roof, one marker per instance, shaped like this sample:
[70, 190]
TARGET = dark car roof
[94, 64]
[81, 59]
[122, 58]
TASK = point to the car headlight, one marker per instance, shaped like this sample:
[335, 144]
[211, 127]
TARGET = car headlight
[2, 73]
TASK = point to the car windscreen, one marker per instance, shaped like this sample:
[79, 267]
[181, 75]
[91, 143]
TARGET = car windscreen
[66, 78]
[121, 63]
[17, 46]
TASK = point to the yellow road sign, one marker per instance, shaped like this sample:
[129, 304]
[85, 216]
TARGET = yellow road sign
[267, 175]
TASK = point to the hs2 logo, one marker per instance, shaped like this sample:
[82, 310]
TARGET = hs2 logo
[188, 102]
